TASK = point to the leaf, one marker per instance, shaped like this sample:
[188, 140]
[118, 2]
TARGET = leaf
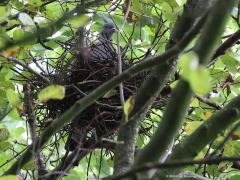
[200, 81]
[51, 92]
[77, 21]
[31, 165]
[188, 63]
[207, 114]
[4, 12]
[229, 149]
[110, 93]
[4, 146]
[11, 52]
[234, 177]
[18, 34]
[230, 62]
[4, 134]
[25, 19]
[128, 106]
[197, 75]
[35, 2]
[192, 126]
[9, 177]
[13, 98]
[4, 38]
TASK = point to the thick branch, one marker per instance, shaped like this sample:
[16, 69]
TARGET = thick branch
[152, 87]
[204, 48]
[207, 132]
[169, 165]
[174, 115]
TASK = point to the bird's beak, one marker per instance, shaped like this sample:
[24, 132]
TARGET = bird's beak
[114, 30]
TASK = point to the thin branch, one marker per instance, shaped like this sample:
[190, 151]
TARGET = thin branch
[31, 119]
[208, 102]
[25, 66]
[221, 50]
[119, 52]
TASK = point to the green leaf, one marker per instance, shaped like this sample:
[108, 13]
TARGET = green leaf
[51, 92]
[235, 177]
[195, 74]
[4, 134]
[4, 38]
[18, 34]
[187, 63]
[230, 62]
[13, 98]
[4, 12]
[200, 81]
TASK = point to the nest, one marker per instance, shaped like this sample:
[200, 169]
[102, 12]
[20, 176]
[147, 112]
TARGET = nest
[99, 120]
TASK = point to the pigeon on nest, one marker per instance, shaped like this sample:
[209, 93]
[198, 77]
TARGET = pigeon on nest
[103, 49]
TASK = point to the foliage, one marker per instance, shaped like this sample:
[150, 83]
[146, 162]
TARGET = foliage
[34, 37]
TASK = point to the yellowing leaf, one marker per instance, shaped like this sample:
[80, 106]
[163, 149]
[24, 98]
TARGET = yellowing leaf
[31, 165]
[110, 93]
[77, 21]
[223, 166]
[191, 126]
[11, 52]
[207, 114]
[4, 145]
[195, 103]
[229, 150]
[4, 134]
[51, 92]
[9, 177]
[13, 98]
[128, 106]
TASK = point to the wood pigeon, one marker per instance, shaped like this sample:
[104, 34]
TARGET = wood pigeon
[103, 50]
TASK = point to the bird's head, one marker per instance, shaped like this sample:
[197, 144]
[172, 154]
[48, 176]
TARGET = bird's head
[108, 30]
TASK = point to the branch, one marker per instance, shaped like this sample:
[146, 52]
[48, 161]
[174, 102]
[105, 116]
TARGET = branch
[234, 38]
[31, 119]
[169, 165]
[119, 52]
[45, 32]
[26, 67]
[173, 117]
[86, 101]
[208, 102]
[206, 133]
[153, 86]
